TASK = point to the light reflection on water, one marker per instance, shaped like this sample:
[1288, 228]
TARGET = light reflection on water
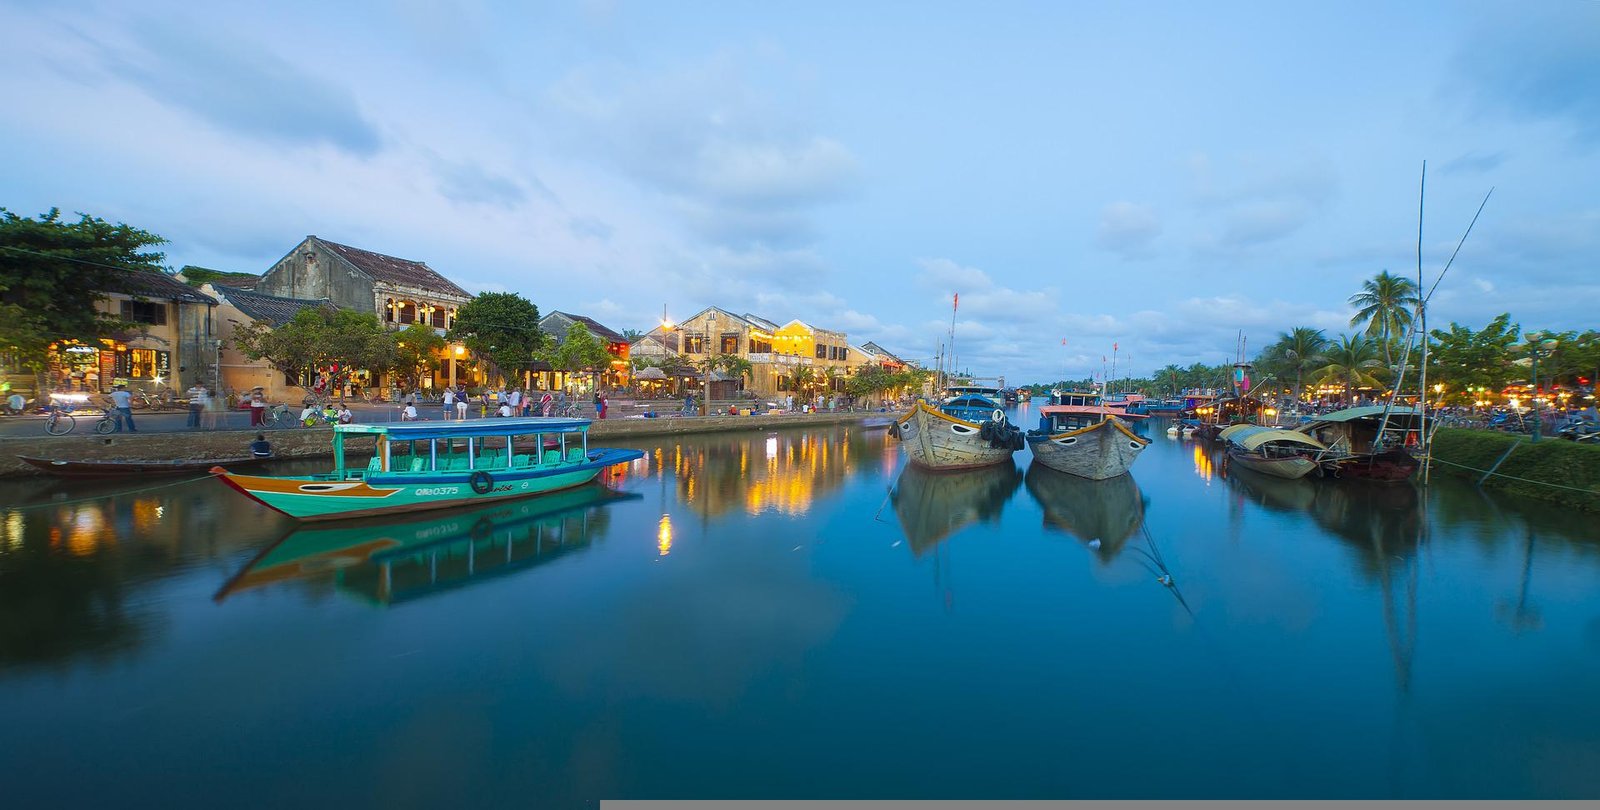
[796, 615]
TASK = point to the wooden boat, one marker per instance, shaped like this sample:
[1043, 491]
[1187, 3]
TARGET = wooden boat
[1357, 450]
[931, 506]
[1101, 514]
[1078, 435]
[66, 468]
[964, 432]
[392, 559]
[435, 465]
[1283, 453]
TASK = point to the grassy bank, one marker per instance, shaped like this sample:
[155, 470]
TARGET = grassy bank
[1553, 470]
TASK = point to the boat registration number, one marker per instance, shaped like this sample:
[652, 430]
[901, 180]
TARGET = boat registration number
[426, 491]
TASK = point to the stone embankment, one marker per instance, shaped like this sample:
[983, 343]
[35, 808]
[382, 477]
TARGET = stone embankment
[316, 442]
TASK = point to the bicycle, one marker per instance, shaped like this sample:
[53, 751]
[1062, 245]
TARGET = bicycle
[60, 422]
[278, 416]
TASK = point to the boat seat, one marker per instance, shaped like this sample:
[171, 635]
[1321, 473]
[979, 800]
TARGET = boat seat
[418, 464]
[576, 454]
[522, 460]
[376, 464]
[552, 456]
[458, 462]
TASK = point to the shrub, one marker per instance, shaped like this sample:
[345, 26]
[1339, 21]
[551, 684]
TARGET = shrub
[1552, 461]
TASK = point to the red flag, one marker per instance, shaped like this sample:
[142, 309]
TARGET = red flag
[1113, 347]
[1063, 341]
[957, 304]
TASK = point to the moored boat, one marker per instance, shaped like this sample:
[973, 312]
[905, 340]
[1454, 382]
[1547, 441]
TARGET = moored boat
[1080, 436]
[966, 431]
[1363, 444]
[1282, 453]
[418, 466]
[87, 468]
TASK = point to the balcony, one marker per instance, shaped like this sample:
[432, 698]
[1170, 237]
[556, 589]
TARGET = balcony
[778, 359]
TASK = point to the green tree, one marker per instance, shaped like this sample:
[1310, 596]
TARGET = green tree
[579, 350]
[501, 328]
[734, 366]
[1464, 360]
[53, 272]
[804, 378]
[316, 341]
[416, 354]
[1385, 304]
[1351, 362]
[1296, 352]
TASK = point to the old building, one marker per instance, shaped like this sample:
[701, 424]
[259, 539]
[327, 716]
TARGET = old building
[167, 344]
[777, 354]
[238, 307]
[618, 373]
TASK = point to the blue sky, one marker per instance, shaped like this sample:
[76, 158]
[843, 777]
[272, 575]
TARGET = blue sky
[1159, 175]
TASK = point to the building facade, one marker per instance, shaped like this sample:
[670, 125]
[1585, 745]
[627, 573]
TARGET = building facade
[618, 372]
[167, 343]
[237, 308]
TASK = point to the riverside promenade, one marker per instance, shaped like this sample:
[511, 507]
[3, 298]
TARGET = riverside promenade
[162, 436]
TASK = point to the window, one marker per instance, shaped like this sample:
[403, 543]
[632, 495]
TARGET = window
[822, 352]
[694, 344]
[760, 346]
[151, 312]
[730, 344]
[438, 318]
[408, 312]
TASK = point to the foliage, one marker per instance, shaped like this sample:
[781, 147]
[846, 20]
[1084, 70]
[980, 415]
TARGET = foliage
[580, 350]
[317, 340]
[874, 379]
[1550, 461]
[734, 366]
[53, 272]
[1386, 305]
[805, 378]
[1352, 362]
[416, 354]
[631, 335]
[1462, 359]
[502, 328]
[1296, 352]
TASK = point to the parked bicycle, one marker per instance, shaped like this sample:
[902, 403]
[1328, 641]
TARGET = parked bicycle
[60, 422]
[278, 416]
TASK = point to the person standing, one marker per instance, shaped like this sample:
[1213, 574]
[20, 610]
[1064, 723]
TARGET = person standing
[461, 403]
[546, 403]
[601, 407]
[122, 403]
[449, 403]
[258, 408]
[199, 399]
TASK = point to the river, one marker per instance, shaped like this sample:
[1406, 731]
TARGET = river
[794, 615]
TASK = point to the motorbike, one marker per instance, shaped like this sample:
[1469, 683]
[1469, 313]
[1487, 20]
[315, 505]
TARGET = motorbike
[1582, 430]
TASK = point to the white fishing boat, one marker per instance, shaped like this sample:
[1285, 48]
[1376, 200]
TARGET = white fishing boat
[1080, 436]
[964, 432]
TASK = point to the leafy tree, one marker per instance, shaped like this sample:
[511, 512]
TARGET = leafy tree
[804, 378]
[1386, 303]
[502, 328]
[416, 353]
[580, 350]
[1352, 362]
[734, 366]
[318, 340]
[1296, 352]
[1462, 359]
[52, 273]
[631, 335]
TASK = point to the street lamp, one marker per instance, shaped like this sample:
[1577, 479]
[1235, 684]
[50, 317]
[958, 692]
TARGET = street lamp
[1536, 342]
[711, 328]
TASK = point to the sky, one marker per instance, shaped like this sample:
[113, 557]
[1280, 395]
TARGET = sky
[1159, 177]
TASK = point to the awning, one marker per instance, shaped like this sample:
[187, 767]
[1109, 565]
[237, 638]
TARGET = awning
[1251, 437]
[651, 373]
[1367, 412]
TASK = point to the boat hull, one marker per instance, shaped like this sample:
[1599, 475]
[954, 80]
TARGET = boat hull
[1394, 465]
[121, 469]
[1100, 451]
[939, 441]
[310, 498]
[1290, 467]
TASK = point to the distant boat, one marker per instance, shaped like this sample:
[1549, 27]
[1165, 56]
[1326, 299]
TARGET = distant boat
[67, 468]
[1101, 514]
[1080, 436]
[435, 465]
[931, 507]
[967, 430]
[1283, 453]
[1355, 448]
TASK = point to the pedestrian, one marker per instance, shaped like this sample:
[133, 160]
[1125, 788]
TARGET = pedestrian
[345, 416]
[546, 403]
[601, 408]
[410, 412]
[461, 402]
[258, 408]
[516, 400]
[449, 403]
[122, 403]
[261, 448]
[197, 404]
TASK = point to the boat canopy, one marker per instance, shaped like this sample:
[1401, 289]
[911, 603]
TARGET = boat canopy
[1367, 412]
[418, 431]
[1251, 437]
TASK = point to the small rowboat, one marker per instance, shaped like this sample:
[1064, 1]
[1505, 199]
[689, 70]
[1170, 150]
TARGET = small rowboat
[120, 469]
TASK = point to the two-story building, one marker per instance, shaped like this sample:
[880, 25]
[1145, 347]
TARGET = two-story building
[776, 353]
[617, 374]
[239, 307]
[167, 342]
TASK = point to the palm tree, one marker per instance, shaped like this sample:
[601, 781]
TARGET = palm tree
[1352, 361]
[804, 378]
[1385, 306]
[1298, 350]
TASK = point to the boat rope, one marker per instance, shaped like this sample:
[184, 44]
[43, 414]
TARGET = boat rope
[48, 504]
[1589, 491]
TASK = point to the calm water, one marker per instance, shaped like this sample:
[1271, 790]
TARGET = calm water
[793, 615]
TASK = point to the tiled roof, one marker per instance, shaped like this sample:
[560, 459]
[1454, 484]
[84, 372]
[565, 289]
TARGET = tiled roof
[879, 350]
[761, 322]
[395, 271]
[272, 308]
[146, 284]
[595, 328]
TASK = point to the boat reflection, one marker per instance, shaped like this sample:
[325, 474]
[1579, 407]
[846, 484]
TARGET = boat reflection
[399, 559]
[934, 505]
[1102, 514]
[1271, 492]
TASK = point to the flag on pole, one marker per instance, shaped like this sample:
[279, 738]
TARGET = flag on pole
[1113, 347]
[1063, 341]
[957, 304]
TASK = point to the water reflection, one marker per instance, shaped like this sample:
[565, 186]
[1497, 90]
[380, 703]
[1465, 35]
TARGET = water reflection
[784, 473]
[934, 505]
[1102, 514]
[399, 559]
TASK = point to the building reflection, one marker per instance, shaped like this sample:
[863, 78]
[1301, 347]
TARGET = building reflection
[399, 559]
[784, 473]
[932, 506]
[1100, 514]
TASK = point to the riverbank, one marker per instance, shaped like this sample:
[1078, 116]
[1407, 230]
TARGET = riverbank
[1552, 470]
[315, 442]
